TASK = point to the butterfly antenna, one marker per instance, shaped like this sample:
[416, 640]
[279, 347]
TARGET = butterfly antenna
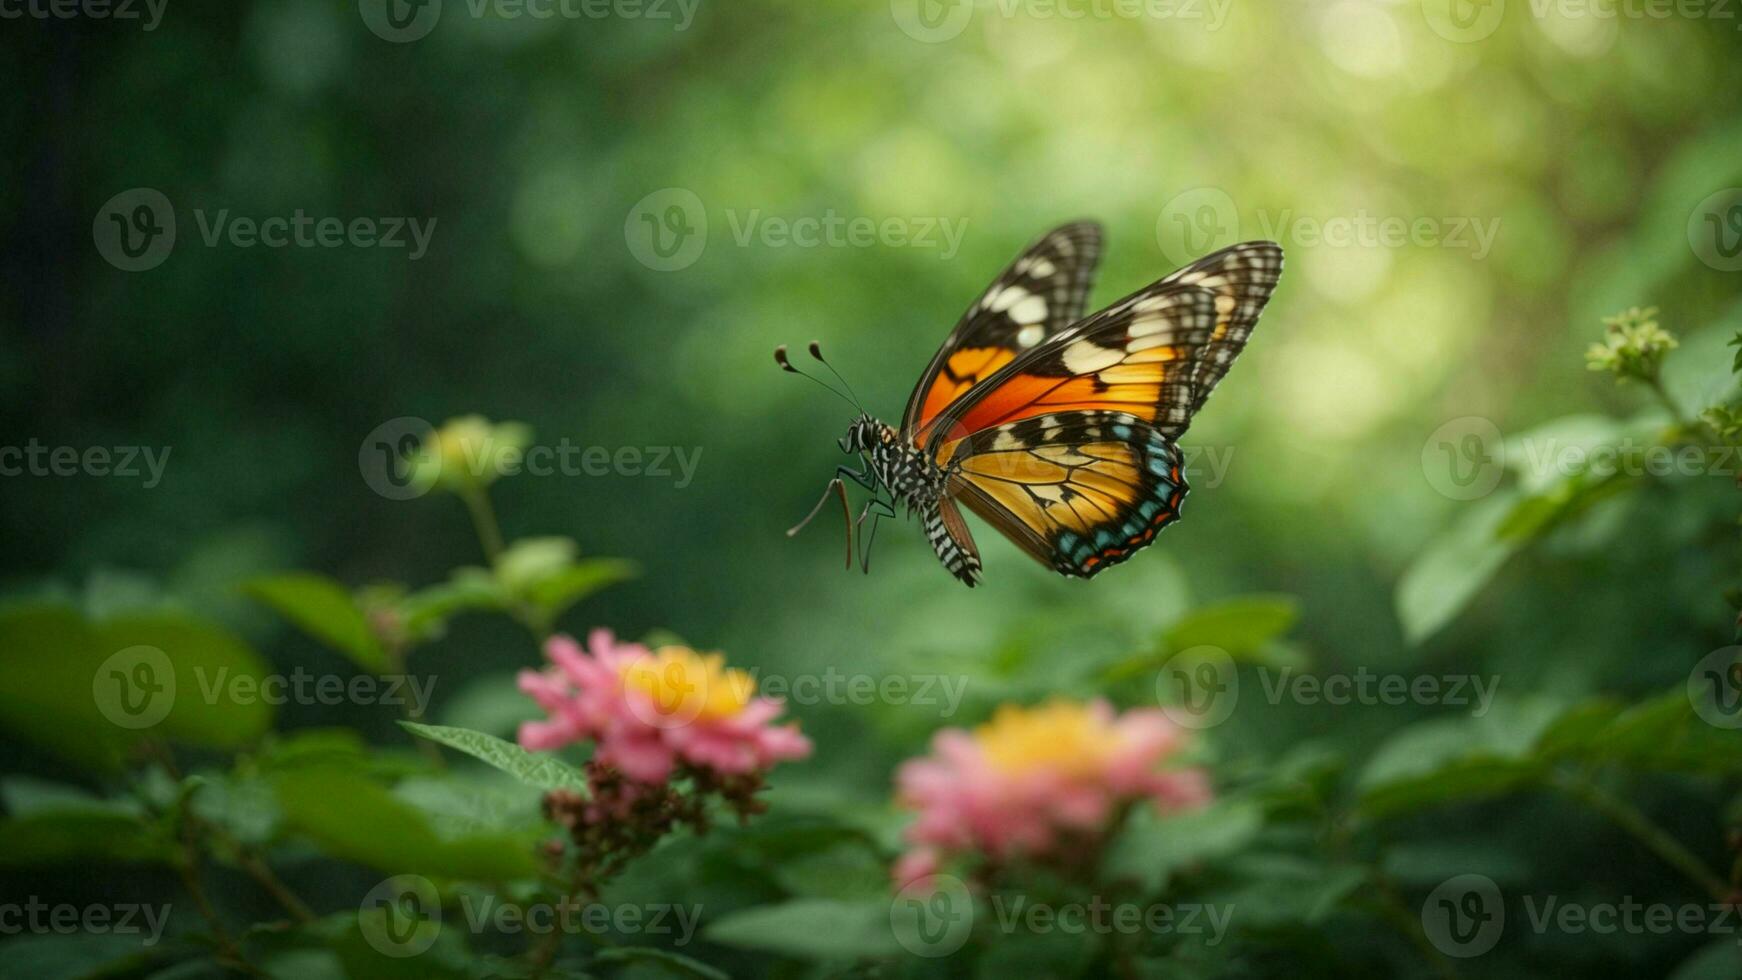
[785, 363]
[817, 352]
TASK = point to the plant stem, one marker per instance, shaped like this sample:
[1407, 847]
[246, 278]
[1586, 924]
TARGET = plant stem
[263, 875]
[1641, 828]
[477, 500]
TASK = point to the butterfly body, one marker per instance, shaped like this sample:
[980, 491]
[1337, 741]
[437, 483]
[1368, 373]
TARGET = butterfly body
[1061, 430]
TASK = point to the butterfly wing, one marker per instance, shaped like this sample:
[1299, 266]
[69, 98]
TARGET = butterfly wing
[1038, 295]
[1079, 491]
[1070, 450]
[1155, 354]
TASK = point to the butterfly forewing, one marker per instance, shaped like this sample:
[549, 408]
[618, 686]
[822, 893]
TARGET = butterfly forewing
[1154, 354]
[1037, 296]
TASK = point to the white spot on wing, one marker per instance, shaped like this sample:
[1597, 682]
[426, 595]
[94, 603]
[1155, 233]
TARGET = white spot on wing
[1087, 357]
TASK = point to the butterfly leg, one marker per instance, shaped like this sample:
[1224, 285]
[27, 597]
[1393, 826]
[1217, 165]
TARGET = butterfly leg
[876, 510]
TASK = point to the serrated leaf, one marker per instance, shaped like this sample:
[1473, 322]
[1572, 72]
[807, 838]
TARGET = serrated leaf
[543, 771]
[323, 609]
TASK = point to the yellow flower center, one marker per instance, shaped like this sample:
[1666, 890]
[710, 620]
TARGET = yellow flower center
[681, 683]
[1060, 736]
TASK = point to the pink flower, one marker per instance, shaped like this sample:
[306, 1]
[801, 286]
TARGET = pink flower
[648, 711]
[1032, 779]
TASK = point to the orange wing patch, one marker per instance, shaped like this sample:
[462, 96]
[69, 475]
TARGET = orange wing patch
[964, 369]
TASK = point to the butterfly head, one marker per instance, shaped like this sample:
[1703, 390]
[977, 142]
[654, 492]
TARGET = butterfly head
[864, 433]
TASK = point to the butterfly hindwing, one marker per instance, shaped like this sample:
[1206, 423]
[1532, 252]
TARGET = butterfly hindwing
[1077, 490]
[1038, 295]
[1155, 354]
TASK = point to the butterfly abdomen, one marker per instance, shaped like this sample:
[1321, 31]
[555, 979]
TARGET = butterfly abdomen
[958, 556]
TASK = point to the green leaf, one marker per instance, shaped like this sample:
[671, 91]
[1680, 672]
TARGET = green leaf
[672, 962]
[425, 611]
[1289, 890]
[48, 838]
[1242, 626]
[1030, 953]
[1696, 375]
[529, 561]
[323, 609]
[80, 955]
[1151, 847]
[544, 771]
[91, 691]
[811, 929]
[555, 594]
[352, 817]
[846, 871]
[1453, 568]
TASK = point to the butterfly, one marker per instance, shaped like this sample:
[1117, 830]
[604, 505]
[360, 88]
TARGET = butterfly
[1059, 430]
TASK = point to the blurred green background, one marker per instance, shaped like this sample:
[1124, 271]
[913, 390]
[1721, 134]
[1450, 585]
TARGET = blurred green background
[1587, 145]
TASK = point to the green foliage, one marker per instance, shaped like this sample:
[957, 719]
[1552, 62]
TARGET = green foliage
[538, 771]
[322, 608]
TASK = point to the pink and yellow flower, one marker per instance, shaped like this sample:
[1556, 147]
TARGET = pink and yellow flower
[650, 711]
[1035, 778]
